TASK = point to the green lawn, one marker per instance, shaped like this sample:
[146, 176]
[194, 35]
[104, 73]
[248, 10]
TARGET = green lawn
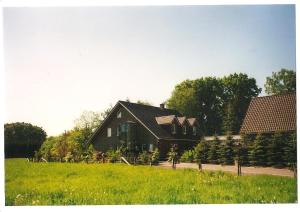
[98, 184]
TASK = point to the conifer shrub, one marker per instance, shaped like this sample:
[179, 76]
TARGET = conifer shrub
[213, 152]
[258, 152]
[275, 153]
[201, 152]
[290, 151]
[155, 156]
[226, 152]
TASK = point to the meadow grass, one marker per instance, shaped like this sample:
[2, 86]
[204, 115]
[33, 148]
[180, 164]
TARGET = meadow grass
[28, 183]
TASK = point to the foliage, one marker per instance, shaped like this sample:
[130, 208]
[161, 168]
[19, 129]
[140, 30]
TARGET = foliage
[290, 151]
[201, 152]
[113, 155]
[281, 82]
[89, 120]
[219, 104]
[106, 184]
[144, 157]
[155, 156]
[276, 150]
[213, 152]
[258, 152]
[187, 156]
[172, 154]
[226, 152]
[239, 89]
[22, 139]
[144, 102]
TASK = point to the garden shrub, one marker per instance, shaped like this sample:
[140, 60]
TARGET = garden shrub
[144, 157]
[226, 152]
[155, 156]
[213, 152]
[187, 156]
[201, 152]
[258, 152]
[113, 155]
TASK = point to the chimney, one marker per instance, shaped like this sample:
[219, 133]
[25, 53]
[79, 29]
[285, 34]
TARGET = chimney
[162, 106]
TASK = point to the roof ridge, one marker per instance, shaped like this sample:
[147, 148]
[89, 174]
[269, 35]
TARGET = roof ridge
[134, 103]
[275, 95]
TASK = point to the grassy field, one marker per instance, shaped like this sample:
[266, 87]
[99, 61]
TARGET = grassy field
[105, 184]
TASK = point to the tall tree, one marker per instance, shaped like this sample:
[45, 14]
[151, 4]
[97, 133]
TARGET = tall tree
[239, 89]
[143, 102]
[281, 82]
[200, 98]
[22, 139]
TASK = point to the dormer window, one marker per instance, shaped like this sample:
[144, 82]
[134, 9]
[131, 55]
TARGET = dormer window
[194, 130]
[184, 130]
[173, 128]
[119, 115]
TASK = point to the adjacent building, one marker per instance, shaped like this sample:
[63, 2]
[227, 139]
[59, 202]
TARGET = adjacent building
[271, 114]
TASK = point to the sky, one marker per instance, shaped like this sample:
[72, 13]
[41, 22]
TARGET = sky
[61, 61]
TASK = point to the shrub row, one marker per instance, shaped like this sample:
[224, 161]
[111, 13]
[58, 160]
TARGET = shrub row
[277, 150]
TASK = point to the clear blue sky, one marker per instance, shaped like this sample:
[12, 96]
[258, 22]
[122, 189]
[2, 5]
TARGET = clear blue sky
[61, 61]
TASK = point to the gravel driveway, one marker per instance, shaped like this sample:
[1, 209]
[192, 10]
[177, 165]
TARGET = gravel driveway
[245, 170]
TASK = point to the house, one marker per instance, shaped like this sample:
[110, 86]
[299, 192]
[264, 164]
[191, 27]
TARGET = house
[142, 127]
[271, 114]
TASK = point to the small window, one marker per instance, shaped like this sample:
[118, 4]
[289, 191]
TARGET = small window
[150, 147]
[108, 132]
[173, 129]
[194, 130]
[118, 131]
[184, 129]
[119, 115]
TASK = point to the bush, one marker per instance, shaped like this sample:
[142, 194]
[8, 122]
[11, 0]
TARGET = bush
[144, 157]
[226, 152]
[290, 151]
[113, 155]
[258, 152]
[201, 152]
[276, 150]
[213, 152]
[155, 156]
[187, 156]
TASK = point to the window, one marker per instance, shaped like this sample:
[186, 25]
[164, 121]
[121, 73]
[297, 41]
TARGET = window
[108, 132]
[150, 147]
[184, 129]
[118, 131]
[119, 115]
[173, 129]
[194, 130]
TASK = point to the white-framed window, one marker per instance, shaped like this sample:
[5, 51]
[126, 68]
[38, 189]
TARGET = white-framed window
[184, 129]
[150, 147]
[173, 128]
[119, 115]
[108, 132]
[194, 130]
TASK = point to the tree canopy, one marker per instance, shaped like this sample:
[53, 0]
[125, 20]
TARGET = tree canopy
[22, 139]
[281, 82]
[219, 104]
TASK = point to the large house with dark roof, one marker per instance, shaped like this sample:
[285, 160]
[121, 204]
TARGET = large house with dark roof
[143, 127]
[271, 114]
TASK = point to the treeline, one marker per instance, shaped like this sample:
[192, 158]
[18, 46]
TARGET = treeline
[277, 150]
[220, 104]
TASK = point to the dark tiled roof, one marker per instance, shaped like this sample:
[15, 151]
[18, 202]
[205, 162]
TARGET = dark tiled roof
[270, 114]
[147, 115]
